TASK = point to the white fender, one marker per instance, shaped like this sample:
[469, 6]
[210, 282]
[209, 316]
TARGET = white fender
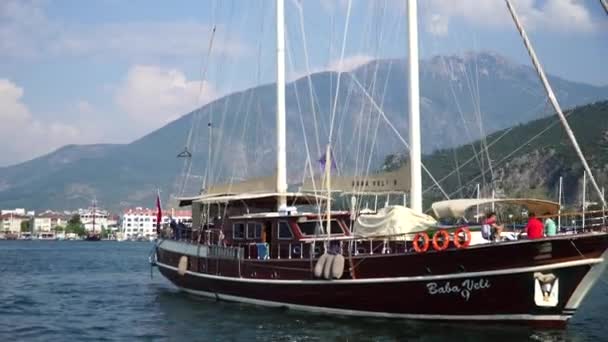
[337, 267]
[327, 266]
[182, 267]
[318, 272]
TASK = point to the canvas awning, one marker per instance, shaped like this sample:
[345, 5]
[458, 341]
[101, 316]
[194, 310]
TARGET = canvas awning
[293, 198]
[256, 185]
[397, 181]
[457, 207]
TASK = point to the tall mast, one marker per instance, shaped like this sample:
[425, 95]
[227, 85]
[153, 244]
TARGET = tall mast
[585, 196]
[414, 108]
[281, 152]
[94, 212]
[552, 98]
[605, 5]
[559, 212]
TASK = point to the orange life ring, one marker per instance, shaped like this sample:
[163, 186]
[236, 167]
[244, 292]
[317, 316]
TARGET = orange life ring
[467, 237]
[425, 245]
[446, 240]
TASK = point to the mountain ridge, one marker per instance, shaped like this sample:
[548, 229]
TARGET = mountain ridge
[127, 174]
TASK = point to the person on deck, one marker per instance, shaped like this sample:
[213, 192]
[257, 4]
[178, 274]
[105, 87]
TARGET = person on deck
[534, 228]
[490, 230]
[550, 227]
[174, 230]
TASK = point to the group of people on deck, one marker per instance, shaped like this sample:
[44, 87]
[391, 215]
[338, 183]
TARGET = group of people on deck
[535, 228]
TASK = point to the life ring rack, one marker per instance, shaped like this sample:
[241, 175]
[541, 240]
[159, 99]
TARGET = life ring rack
[444, 244]
[467, 237]
[425, 244]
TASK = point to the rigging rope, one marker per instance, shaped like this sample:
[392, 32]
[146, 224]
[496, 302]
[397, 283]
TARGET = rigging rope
[504, 159]
[394, 129]
[333, 109]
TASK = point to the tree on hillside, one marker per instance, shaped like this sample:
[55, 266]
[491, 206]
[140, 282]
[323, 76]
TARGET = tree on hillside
[26, 226]
[75, 226]
[106, 233]
[74, 220]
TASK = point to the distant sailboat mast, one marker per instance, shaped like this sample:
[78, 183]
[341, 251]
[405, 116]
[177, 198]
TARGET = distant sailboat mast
[281, 185]
[94, 213]
[414, 108]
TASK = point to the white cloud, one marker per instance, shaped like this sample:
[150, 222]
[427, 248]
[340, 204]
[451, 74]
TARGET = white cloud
[12, 110]
[22, 136]
[331, 6]
[349, 63]
[153, 96]
[437, 24]
[551, 15]
[23, 28]
[84, 107]
[26, 31]
[144, 39]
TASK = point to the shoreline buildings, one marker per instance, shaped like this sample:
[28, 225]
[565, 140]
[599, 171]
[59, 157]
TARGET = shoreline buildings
[140, 223]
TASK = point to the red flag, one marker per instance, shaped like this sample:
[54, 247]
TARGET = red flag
[159, 213]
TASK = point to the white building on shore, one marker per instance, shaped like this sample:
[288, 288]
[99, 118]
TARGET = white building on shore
[94, 219]
[45, 223]
[141, 222]
[10, 223]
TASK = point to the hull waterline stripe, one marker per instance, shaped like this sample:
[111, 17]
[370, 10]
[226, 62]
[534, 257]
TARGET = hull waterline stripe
[325, 310]
[565, 264]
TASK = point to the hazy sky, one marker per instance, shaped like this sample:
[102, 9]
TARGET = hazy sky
[111, 70]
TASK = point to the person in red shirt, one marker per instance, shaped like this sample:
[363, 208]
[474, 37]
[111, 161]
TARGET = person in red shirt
[491, 230]
[534, 228]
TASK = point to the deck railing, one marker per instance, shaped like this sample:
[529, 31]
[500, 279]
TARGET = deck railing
[352, 245]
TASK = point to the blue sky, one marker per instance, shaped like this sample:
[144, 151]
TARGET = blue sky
[110, 71]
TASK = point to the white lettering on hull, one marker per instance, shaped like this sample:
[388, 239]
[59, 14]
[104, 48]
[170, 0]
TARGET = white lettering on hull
[465, 288]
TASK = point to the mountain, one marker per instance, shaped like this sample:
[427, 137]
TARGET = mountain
[463, 98]
[527, 160]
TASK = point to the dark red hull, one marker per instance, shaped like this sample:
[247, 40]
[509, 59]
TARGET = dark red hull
[483, 283]
[93, 237]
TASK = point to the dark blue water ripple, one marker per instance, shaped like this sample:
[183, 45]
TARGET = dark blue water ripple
[102, 291]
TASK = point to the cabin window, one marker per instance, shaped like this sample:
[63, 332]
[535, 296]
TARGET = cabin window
[254, 230]
[310, 228]
[284, 230]
[314, 228]
[238, 231]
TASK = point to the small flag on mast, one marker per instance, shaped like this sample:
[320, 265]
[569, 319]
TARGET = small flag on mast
[159, 212]
[323, 160]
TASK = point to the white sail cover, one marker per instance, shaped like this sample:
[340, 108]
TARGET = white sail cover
[393, 220]
[457, 207]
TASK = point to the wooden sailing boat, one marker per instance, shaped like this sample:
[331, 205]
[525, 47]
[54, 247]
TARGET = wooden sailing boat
[93, 235]
[252, 245]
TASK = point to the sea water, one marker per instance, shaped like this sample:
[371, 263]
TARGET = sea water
[105, 291]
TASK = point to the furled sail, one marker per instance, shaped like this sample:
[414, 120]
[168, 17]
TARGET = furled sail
[394, 222]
